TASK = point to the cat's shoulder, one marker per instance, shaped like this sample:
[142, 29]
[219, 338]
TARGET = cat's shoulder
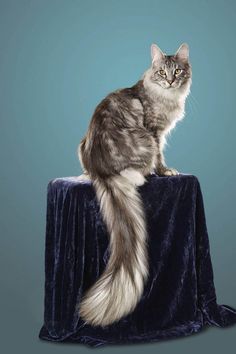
[128, 98]
[127, 93]
[121, 97]
[122, 101]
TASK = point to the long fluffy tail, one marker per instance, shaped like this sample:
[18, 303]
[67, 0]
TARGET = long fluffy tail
[119, 288]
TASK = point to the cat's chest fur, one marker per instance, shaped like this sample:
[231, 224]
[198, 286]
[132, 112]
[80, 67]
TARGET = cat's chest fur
[171, 109]
[161, 115]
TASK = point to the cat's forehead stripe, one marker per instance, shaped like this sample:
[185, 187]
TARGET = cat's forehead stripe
[169, 61]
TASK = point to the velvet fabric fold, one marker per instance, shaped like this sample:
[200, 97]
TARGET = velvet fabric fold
[179, 298]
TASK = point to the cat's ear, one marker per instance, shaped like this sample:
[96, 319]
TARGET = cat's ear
[183, 52]
[156, 53]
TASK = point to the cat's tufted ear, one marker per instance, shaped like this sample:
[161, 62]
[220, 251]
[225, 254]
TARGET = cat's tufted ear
[156, 53]
[183, 52]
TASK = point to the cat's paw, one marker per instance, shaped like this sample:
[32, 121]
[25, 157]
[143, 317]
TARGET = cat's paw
[167, 171]
[171, 172]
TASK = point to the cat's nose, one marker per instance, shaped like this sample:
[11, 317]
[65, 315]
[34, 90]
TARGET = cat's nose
[170, 81]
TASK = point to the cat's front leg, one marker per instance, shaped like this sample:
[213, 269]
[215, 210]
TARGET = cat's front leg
[161, 168]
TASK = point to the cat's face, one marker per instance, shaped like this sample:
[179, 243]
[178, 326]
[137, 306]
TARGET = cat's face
[170, 71]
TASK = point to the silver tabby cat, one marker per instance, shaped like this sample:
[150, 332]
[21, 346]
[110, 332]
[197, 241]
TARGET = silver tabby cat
[124, 143]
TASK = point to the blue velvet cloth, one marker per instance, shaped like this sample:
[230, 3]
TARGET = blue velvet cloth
[179, 298]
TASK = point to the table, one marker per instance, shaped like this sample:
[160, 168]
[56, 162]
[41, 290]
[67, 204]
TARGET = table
[179, 298]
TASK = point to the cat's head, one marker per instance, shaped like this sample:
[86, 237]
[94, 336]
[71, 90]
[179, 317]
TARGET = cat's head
[171, 71]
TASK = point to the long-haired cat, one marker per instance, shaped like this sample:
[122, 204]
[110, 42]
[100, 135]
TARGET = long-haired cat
[124, 143]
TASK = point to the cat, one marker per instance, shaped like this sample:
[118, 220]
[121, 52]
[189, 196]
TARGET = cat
[124, 144]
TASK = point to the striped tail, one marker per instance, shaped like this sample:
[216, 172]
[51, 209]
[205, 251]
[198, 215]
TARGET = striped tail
[119, 288]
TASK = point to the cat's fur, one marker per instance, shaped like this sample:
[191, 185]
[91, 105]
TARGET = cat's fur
[124, 143]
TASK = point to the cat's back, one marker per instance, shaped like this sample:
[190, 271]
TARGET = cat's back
[120, 107]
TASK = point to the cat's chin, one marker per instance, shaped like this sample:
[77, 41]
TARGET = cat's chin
[171, 87]
[155, 90]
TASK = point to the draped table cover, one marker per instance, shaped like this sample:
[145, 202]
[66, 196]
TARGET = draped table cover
[179, 298]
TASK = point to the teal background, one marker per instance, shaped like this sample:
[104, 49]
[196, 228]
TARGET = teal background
[58, 59]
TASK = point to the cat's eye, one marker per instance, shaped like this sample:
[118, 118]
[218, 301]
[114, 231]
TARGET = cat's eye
[177, 71]
[162, 72]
